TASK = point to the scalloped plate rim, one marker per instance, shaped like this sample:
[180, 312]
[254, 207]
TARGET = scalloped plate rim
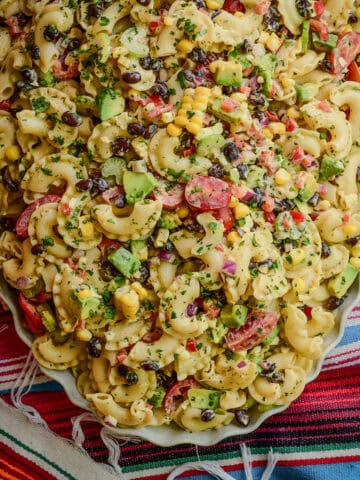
[170, 435]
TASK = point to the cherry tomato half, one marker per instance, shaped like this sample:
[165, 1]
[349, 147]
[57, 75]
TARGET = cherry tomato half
[353, 73]
[347, 48]
[258, 326]
[22, 223]
[170, 196]
[178, 389]
[32, 316]
[233, 6]
[207, 193]
[226, 217]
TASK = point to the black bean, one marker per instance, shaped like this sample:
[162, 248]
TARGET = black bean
[207, 415]
[271, 19]
[71, 118]
[276, 377]
[198, 55]
[120, 145]
[37, 249]
[94, 347]
[333, 303]
[215, 13]
[144, 3]
[7, 223]
[22, 19]
[150, 130]
[160, 89]
[146, 63]
[84, 185]
[268, 367]
[266, 263]
[242, 417]
[352, 18]
[231, 152]
[314, 200]
[131, 77]
[100, 184]
[96, 9]
[107, 271]
[283, 205]
[358, 174]
[325, 250]
[257, 99]
[192, 225]
[200, 3]
[303, 7]
[243, 171]
[120, 201]
[248, 45]
[74, 44]
[129, 375]
[353, 241]
[217, 171]
[34, 51]
[24, 86]
[150, 365]
[325, 65]
[168, 246]
[157, 64]
[15, 110]
[29, 75]
[136, 129]
[10, 184]
[227, 90]
[163, 380]
[51, 33]
[260, 115]
[143, 273]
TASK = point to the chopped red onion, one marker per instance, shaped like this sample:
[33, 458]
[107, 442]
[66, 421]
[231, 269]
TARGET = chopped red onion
[229, 267]
[248, 196]
[23, 282]
[166, 256]
[241, 364]
[192, 309]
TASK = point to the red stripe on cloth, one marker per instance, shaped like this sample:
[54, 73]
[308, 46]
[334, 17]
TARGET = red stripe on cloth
[13, 471]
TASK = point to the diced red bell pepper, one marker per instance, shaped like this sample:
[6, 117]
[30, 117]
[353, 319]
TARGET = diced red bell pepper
[353, 73]
[155, 25]
[107, 245]
[191, 345]
[5, 105]
[189, 150]
[212, 310]
[14, 28]
[307, 310]
[68, 73]
[272, 116]
[298, 217]
[32, 316]
[321, 28]
[270, 217]
[233, 6]
[159, 110]
[262, 7]
[291, 124]
[324, 105]
[319, 7]
[268, 204]
[229, 105]
[42, 297]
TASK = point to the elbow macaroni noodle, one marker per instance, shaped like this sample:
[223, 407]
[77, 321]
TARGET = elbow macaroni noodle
[180, 197]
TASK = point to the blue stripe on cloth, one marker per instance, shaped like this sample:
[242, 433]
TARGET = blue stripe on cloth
[348, 471]
[41, 387]
[351, 334]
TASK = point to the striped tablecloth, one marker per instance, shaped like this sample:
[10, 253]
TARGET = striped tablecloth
[317, 438]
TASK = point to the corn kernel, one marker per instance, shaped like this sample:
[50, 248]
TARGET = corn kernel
[273, 42]
[84, 334]
[13, 153]
[355, 251]
[214, 4]
[181, 121]
[298, 285]
[185, 46]
[186, 98]
[277, 128]
[86, 226]
[241, 211]
[357, 12]
[347, 29]
[288, 82]
[132, 93]
[282, 177]
[233, 202]
[238, 14]
[233, 237]
[169, 21]
[264, 36]
[355, 262]
[201, 98]
[293, 113]
[323, 205]
[173, 130]
[297, 255]
[140, 290]
[183, 212]
[350, 229]
[268, 133]
[193, 128]
[200, 106]
[85, 293]
[202, 91]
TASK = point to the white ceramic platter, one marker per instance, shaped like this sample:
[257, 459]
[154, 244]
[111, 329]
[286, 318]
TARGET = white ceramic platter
[170, 435]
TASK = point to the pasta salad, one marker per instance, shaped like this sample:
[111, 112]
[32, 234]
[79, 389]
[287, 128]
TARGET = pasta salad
[180, 196]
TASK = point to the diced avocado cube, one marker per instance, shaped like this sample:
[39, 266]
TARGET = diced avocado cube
[157, 399]
[233, 315]
[250, 402]
[341, 283]
[139, 249]
[114, 167]
[208, 144]
[305, 36]
[306, 91]
[272, 335]
[320, 44]
[89, 303]
[228, 73]
[266, 66]
[125, 262]
[203, 398]
[137, 185]
[217, 334]
[233, 117]
[242, 58]
[47, 317]
[109, 103]
[330, 167]
[169, 220]
[234, 175]
[310, 188]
